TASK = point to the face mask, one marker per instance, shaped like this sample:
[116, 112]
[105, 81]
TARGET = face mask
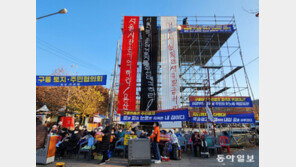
[153, 125]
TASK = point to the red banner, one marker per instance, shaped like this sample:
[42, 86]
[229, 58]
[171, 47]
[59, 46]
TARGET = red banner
[67, 122]
[128, 68]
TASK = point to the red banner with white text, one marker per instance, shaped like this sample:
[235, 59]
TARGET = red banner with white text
[128, 68]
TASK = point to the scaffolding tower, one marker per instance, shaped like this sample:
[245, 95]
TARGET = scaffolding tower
[220, 52]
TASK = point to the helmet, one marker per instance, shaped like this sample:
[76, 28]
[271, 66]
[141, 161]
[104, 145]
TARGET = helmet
[195, 131]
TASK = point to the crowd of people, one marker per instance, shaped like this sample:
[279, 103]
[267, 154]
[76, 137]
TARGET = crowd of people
[102, 140]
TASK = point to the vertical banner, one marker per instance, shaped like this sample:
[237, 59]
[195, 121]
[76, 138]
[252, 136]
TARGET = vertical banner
[149, 65]
[170, 68]
[169, 64]
[128, 69]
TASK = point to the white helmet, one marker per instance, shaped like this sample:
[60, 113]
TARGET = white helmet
[195, 131]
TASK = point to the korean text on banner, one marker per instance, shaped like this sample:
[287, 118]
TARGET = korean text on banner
[221, 101]
[170, 66]
[169, 63]
[149, 65]
[225, 118]
[128, 68]
[89, 80]
[176, 115]
[207, 29]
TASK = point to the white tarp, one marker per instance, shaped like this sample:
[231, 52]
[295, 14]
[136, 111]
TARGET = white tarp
[43, 108]
[170, 98]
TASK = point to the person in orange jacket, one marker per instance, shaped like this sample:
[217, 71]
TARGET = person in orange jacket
[155, 140]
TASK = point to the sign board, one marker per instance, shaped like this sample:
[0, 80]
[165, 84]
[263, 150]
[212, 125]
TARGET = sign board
[207, 29]
[171, 124]
[128, 68]
[126, 137]
[170, 92]
[223, 118]
[67, 122]
[155, 116]
[92, 126]
[149, 65]
[220, 101]
[89, 80]
[164, 137]
[97, 119]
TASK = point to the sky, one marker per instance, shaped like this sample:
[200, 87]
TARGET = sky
[84, 40]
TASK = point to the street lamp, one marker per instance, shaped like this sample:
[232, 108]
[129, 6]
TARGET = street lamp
[62, 11]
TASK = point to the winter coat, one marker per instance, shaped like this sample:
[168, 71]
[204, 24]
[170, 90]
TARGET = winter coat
[155, 134]
[106, 138]
[174, 139]
[41, 135]
[196, 141]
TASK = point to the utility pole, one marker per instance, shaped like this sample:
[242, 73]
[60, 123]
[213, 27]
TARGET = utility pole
[113, 82]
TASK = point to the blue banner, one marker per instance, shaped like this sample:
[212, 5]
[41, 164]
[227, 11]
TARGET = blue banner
[207, 29]
[89, 80]
[223, 102]
[155, 116]
[231, 118]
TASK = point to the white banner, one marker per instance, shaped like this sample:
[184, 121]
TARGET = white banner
[209, 114]
[97, 119]
[171, 124]
[170, 98]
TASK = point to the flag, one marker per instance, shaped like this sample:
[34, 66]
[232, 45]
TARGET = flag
[209, 113]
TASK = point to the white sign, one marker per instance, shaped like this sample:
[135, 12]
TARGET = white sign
[170, 98]
[97, 119]
[172, 124]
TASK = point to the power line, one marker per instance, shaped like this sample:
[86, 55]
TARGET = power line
[67, 56]
[252, 61]
[46, 50]
[48, 45]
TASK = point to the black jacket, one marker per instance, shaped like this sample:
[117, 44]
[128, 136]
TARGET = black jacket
[196, 141]
[106, 138]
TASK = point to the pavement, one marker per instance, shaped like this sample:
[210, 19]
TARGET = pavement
[187, 160]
